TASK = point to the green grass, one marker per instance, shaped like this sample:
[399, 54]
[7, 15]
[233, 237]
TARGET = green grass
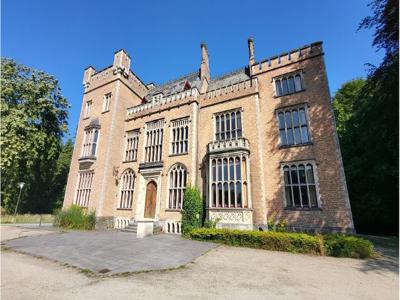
[27, 218]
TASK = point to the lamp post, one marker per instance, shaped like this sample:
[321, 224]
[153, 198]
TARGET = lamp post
[21, 185]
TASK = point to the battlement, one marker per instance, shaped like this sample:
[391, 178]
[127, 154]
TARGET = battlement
[120, 69]
[286, 58]
[150, 107]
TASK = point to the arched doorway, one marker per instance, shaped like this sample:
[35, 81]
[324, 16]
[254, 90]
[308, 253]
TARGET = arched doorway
[151, 196]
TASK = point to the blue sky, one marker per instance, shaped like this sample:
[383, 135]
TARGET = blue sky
[163, 37]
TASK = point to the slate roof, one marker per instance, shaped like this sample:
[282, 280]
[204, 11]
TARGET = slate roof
[229, 79]
[178, 85]
[175, 86]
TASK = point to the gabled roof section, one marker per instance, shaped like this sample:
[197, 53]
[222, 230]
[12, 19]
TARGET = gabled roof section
[229, 79]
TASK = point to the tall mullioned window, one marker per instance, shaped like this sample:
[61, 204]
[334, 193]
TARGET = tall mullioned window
[177, 186]
[180, 136]
[90, 142]
[127, 187]
[88, 109]
[132, 142]
[154, 140]
[228, 125]
[289, 84]
[300, 187]
[106, 102]
[228, 181]
[293, 126]
[84, 188]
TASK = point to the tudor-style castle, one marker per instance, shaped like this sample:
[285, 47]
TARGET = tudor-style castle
[260, 143]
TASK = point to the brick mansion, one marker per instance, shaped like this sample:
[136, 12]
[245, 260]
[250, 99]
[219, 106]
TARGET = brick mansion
[259, 142]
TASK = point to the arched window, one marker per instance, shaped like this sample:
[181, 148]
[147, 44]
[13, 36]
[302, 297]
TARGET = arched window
[127, 187]
[300, 190]
[177, 186]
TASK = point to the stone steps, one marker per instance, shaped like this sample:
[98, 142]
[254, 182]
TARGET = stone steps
[133, 226]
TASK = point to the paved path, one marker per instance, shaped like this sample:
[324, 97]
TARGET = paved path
[111, 251]
[222, 273]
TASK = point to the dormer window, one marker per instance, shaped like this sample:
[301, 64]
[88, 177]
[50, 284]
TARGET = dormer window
[157, 98]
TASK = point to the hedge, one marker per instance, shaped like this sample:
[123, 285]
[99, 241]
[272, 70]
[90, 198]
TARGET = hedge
[75, 218]
[333, 245]
[271, 240]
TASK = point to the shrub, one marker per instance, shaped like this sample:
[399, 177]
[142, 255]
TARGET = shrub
[271, 240]
[192, 210]
[211, 223]
[75, 218]
[341, 245]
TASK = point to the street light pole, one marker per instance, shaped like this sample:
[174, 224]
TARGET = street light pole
[21, 185]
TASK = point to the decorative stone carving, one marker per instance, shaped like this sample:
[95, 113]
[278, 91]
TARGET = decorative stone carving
[231, 216]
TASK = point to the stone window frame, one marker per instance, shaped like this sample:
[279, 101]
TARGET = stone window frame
[107, 102]
[88, 109]
[286, 76]
[229, 111]
[181, 123]
[89, 143]
[316, 184]
[244, 181]
[291, 108]
[131, 145]
[153, 145]
[83, 188]
[127, 188]
[179, 188]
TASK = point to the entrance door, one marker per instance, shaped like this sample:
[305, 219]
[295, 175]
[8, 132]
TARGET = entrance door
[151, 194]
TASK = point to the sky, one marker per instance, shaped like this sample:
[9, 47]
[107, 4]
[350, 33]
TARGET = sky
[163, 38]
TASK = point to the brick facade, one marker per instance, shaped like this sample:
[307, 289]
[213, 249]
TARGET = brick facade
[252, 194]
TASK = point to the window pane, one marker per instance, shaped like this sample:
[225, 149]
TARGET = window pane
[232, 189]
[295, 116]
[291, 84]
[239, 120]
[239, 194]
[297, 83]
[313, 196]
[226, 195]
[282, 134]
[310, 174]
[304, 134]
[297, 137]
[281, 119]
[284, 86]
[302, 174]
[294, 175]
[303, 120]
[228, 126]
[286, 175]
[296, 195]
[288, 195]
[304, 196]
[231, 169]
[238, 169]
[278, 87]
[225, 169]
[219, 170]
[219, 195]
[222, 124]
[214, 171]
[288, 118]
[214, 196]
[290, 137]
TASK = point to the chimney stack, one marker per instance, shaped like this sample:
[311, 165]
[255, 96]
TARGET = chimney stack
[204, 68]
[250, 43]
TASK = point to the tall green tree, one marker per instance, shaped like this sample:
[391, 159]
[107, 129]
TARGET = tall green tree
[33, 123]
[367, 114]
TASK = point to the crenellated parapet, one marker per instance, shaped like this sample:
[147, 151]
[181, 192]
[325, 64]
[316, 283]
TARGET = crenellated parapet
[287, 58]
[120, 69]
[165, 103]
[229, 92]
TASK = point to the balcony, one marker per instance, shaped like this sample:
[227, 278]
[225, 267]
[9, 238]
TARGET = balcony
[228, 146]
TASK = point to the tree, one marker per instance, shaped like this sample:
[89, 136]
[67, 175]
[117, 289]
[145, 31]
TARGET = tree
[34, 121]
[367, 118]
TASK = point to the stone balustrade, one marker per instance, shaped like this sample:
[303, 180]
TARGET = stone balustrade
[228, 145]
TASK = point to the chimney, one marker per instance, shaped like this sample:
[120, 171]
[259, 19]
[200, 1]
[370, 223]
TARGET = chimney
[250, 43]
[204, 67]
